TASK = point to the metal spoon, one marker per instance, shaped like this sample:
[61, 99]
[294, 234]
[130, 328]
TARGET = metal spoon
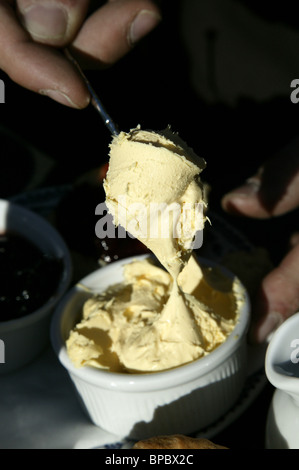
[95, 101]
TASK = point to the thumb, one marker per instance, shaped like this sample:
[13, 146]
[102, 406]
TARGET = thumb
[273, 191]
[278, 298]
[54, 22]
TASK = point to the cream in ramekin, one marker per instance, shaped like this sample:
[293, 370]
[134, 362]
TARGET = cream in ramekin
[184, 399]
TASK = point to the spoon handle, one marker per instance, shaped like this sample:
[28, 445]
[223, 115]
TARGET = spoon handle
[95, 100]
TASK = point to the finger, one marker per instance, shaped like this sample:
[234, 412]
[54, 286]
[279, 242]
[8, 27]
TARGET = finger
[273, 191]
[54, 22]
[109, 33]
[278, 298]
[37, 67]
[294, 239]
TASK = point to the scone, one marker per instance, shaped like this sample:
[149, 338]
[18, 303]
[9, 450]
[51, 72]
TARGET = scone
[176, 441]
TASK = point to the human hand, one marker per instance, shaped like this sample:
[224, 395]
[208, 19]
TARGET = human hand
[33, 34]
[272, 192]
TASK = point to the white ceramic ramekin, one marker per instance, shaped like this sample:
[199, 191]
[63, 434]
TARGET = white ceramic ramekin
[182, 400]
[23, 339]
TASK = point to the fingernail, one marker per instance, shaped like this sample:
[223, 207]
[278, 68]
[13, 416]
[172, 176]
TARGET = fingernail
[143, 23]
[250, 188]
[235, 199]
[59, 96]
[48, 21]
[266, 329]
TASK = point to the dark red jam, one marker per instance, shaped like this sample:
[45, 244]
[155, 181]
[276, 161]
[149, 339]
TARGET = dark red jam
[28, 277]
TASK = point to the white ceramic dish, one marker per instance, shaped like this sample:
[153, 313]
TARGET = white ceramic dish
[23, 339]
[282, 370]
[182, 400]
